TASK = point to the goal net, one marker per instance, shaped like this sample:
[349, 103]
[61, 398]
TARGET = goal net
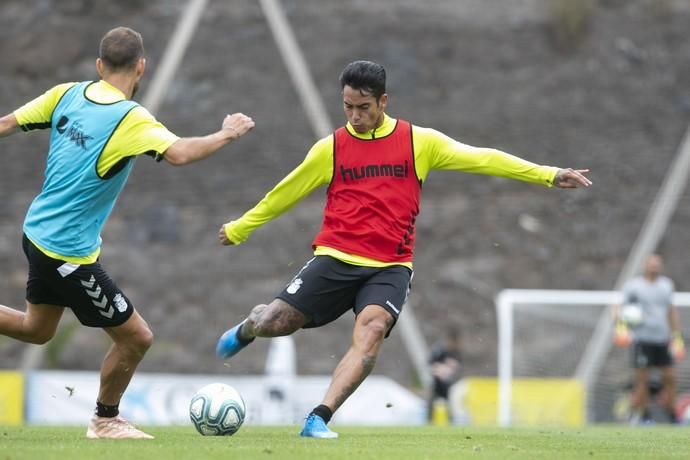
[544, 334]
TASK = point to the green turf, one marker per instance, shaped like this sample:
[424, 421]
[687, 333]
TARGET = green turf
[282, 443]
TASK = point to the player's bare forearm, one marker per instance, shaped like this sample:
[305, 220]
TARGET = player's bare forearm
[190, 149]
[8, 125]
[571, 178]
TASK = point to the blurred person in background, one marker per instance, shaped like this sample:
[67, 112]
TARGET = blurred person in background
[648, 320]
[446, 366]
[374, 168]
[96, 133]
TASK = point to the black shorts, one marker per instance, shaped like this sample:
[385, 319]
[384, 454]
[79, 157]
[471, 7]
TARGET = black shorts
[325, 288]
[87, 289]
[646, 354]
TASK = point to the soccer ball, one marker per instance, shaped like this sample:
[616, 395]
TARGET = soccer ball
[632, 315]
[217, 410]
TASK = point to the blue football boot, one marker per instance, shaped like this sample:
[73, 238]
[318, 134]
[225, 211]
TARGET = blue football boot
[230, 343]
[315, 427]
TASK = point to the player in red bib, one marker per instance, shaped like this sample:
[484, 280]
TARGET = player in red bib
[374, 167]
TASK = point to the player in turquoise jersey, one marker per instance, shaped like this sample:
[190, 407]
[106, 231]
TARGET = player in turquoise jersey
[96, 133]
[374, 168]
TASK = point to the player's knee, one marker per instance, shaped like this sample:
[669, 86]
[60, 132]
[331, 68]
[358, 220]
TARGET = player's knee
[145, 339]
[267, 327]
[256, 320]
[40, 336]
[273, 321]
[256, 313]
[37, 332]
[370, 341]
[376, 329]
[141, 341]
[257, 325]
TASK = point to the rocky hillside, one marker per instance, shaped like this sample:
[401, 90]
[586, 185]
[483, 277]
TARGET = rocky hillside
[612, 96]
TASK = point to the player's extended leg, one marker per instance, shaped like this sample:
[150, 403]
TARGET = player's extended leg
[36, 325]
[640, 395]
[370, 329]
[668, 377]
[131, 340]
[276, 319]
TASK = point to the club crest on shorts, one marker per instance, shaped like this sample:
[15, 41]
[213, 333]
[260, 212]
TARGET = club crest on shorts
[294, 286]
[120, 303]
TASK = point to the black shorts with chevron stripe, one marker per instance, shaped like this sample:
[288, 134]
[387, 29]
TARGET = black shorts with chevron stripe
[325, 288]
[87, 289]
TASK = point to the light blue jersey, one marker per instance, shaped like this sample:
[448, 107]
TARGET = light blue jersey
[69, 213]
[655, 298]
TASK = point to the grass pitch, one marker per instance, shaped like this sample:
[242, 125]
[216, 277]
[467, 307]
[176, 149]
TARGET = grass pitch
[418, 443]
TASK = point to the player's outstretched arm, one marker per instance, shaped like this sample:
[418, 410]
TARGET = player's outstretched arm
[190, 149]
[8, 125]
[316, 170]
[571, 178]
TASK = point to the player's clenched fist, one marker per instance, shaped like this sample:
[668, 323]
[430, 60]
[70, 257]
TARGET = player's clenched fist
[238, 124]
[223, 237]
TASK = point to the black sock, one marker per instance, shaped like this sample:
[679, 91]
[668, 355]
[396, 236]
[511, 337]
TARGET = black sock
[107, 411]
[324, 412]
[241, 339]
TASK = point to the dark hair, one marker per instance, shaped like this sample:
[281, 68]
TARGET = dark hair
[365, 76]
[121, 48]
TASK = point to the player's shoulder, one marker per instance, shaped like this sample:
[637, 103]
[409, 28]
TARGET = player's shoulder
[421, 129]
[64, 86]
[39, 109]
[428, 134]
[633, 283]
[639, 280]
[323, 146]
[430, 141]
[139, 114]
[666, 281]
[325, 140]
[60, 89]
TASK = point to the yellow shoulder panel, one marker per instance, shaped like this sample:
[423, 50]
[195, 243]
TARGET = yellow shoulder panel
[138, 133]
[37, 113]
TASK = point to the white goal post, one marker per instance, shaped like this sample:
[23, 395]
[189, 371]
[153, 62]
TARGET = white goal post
[543, 333]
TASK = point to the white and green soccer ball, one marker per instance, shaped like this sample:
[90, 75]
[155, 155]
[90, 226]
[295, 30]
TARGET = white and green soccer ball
[632, 315]
[217, 410]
